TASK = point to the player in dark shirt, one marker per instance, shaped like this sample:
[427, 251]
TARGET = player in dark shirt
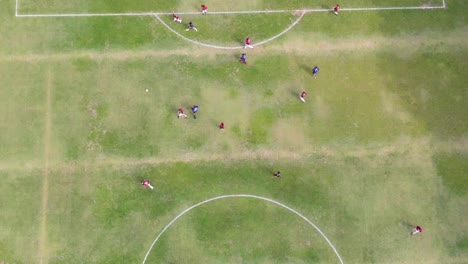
[243, 58]
[315, 70]
[277, 174]
[191, 26]
[194, 111]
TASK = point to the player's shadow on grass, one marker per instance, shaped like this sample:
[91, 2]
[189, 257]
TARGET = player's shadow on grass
[407, 224]
[294, 92]
[307, 69]
[268, 170]
[239, 40]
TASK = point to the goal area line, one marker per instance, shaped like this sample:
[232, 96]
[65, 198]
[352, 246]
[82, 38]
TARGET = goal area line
[18, 14]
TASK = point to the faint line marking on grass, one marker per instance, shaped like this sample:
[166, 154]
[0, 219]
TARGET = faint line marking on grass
[457, 38]
[404, 145]
[231, 12]
[237, 47]
[43, 255]
[248, 196]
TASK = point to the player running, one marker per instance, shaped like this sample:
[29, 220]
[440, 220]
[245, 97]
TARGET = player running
[248, 43]
[243, 58]
[277, 174]
[417, 230]
[191, 26]
[221, 126]
[336, 9]
[176, 18]
[204, 9]
[181, 114]
[195, 111]
[146, 183]
[315, 70]
[303, 96]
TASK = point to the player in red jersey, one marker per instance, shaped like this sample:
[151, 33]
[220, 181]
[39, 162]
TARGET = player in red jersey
[336, 9]
[248, 43]
[302, 96]
[204, 9]
[221, 126]
[417, 230]
[146, 183]
[181, 114]
[176, 18]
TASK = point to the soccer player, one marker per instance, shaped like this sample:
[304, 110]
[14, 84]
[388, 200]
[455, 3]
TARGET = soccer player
[417, 230]
[243, 58]
[194, 111]
[336, 9]
[315, 70]
[176, 18]
[191, 26]
[248, 43]
[302, 96]
[146, 183]
[204, 9]
[181, 114]
[221, 126]
[277, 174]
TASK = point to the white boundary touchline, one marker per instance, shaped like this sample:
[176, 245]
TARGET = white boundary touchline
[17, 14]
[230, 48]
[241, 195]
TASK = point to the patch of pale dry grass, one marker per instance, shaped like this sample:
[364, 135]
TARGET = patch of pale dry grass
[294, 43]
[290, 134]
[415, 149]
[393, 108]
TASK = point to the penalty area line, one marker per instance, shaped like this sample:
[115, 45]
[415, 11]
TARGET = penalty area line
[229, 12]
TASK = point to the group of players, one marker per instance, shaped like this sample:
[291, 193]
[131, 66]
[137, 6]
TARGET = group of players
[248, 41]
[248, 44]
[243, 59]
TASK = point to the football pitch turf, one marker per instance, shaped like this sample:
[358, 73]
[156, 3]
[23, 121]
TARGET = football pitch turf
[88, 109]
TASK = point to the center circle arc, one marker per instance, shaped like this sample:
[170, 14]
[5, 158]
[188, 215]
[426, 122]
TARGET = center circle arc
[245, 196]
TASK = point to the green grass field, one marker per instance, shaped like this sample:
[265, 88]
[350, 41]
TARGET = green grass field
[380, 145]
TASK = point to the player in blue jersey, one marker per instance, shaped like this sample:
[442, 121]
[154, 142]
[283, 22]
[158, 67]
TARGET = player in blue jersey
[243, 58]
[315, 70]
[194, 111]
[191, 26]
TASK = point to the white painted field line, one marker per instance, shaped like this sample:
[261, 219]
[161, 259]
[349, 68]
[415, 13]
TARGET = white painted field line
[231, 12]
[226, 47]
[282, 33]
[16, 8]
[248, 196]
[193, 41]
[88, 15]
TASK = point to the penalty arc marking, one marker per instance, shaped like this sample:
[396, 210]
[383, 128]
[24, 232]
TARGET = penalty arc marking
[157, 14]
[230, 48]
[247, 196]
